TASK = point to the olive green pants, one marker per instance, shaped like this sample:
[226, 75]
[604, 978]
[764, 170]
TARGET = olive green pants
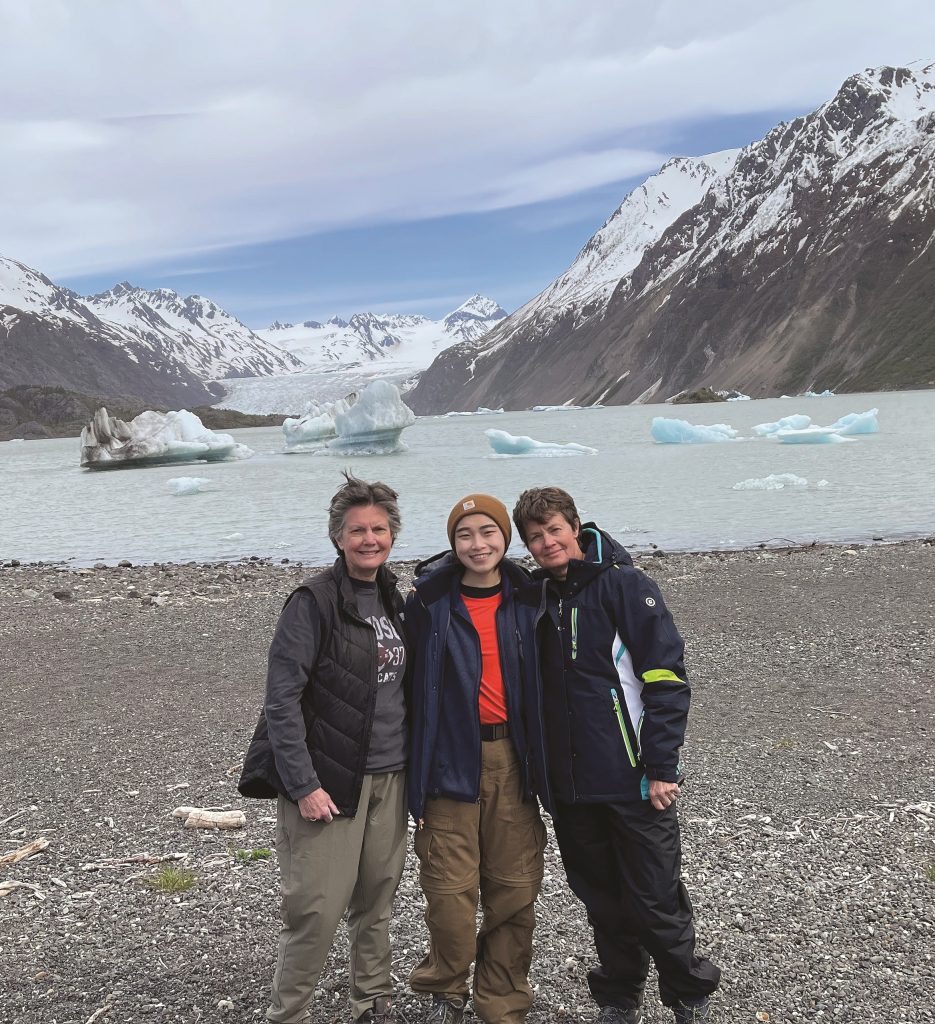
[327, 868]
[492, 849]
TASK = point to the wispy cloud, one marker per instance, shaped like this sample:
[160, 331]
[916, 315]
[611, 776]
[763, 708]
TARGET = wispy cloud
[152, 132]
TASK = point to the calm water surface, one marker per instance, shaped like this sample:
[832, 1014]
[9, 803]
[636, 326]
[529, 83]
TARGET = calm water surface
[679, 497]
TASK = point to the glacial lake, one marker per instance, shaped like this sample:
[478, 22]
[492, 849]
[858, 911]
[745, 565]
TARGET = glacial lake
[679, 497]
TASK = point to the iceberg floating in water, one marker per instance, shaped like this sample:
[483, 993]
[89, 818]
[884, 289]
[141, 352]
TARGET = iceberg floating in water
[505, 444]
[373, 423]
[554, 408]
[479, 411]
[817, 394]
[669, 431]
[773, 482]
[857, 423]
[182, 485]
[799, 421]
[153, 439]
[810, 435]
[316, 424]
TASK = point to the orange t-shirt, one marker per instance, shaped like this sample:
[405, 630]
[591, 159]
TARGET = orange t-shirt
[482, 605]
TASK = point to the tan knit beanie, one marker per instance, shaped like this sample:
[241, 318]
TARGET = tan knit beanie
[483, 504]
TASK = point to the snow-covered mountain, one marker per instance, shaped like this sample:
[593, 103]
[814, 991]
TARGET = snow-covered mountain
[127, 341]
[398, 340]
[803, 261]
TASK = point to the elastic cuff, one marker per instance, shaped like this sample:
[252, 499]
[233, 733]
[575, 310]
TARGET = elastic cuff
[664, 774]
[296, 795]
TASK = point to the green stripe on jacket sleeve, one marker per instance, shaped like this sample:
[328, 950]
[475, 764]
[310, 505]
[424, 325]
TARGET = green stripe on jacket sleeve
[661, 675]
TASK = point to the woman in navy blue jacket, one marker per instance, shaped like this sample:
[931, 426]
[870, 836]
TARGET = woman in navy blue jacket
[469, 618]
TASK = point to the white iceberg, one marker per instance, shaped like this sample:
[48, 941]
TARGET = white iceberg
[316, 424]
[857, 423]
[734, 396]
[669, 431]
[479, 411]
[182, 485]
[798, 421]
[372, 425]
[154, 438]
[773, 482]
[817, 394]
[507, 445]
[810, 435]
[554, 408]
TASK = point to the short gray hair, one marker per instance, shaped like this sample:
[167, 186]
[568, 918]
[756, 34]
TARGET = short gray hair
[359, 492]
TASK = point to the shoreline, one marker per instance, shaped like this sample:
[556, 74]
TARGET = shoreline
[783, 546]
[808, 817]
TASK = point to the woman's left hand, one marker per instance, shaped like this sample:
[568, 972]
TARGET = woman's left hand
[663, 794]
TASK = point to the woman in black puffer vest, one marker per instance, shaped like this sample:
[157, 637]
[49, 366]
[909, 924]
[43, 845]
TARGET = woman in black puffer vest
[332, 745]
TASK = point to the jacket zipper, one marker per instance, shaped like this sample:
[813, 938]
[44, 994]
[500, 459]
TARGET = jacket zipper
[618, 711]
[574, 633]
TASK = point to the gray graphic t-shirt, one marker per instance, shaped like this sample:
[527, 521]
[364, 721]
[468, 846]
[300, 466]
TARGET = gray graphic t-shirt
[389, 740]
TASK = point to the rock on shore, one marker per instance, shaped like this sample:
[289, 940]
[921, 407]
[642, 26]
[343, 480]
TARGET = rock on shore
[808, 818]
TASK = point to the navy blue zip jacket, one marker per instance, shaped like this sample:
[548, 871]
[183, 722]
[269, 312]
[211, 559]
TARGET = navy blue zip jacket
[612, 703]
[445, 754]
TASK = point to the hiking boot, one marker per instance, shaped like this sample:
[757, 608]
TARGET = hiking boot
[446, 1010]
[619, 1015]
[382, 1012]
[692, 1013]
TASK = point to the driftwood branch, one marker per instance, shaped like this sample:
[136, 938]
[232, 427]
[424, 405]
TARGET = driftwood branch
[36, 846]
[139, 858]
[199, 818]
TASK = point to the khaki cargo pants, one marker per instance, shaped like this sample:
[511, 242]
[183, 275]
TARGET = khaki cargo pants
[327, 868]
[493, 848]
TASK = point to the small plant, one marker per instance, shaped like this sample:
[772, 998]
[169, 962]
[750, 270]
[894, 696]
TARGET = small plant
[784, 743]
[261, 853]
[929, 872]
[171, 879]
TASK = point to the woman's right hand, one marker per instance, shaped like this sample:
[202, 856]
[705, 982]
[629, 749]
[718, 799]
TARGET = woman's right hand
[317, 806]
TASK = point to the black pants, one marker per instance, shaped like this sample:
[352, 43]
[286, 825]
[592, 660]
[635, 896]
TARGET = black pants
[623, 861]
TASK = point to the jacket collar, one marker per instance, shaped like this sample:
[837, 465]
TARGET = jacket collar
[441, 574]
[601, 552]
[386, 584]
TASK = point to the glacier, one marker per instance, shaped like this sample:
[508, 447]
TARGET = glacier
[152, 439]
[507, 445]
[372, 424]
[670, 431]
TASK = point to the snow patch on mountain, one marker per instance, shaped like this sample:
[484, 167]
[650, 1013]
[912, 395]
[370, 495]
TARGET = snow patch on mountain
[398, 341]
[159, 327]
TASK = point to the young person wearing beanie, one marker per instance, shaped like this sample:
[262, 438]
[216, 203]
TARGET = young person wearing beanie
[479, 832]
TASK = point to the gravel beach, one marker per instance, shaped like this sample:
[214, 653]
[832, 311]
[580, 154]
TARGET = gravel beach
[808, 818]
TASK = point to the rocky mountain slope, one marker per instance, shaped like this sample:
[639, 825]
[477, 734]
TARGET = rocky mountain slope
[802, 262]
[156, 345]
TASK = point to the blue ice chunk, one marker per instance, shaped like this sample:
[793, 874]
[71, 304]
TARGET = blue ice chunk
[505, 444]
[667, 431]
[810, 435]
[798, 421]
[858, 423]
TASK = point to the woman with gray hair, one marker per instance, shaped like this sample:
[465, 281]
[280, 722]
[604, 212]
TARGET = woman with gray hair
[332, 746]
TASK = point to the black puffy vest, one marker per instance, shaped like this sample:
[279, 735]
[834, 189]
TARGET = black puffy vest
[339, 699]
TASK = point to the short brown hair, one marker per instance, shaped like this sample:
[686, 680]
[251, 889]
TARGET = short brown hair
[359, 492]
[539, 504]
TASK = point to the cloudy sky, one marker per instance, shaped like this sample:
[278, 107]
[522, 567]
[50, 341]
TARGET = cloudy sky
[295, 159]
